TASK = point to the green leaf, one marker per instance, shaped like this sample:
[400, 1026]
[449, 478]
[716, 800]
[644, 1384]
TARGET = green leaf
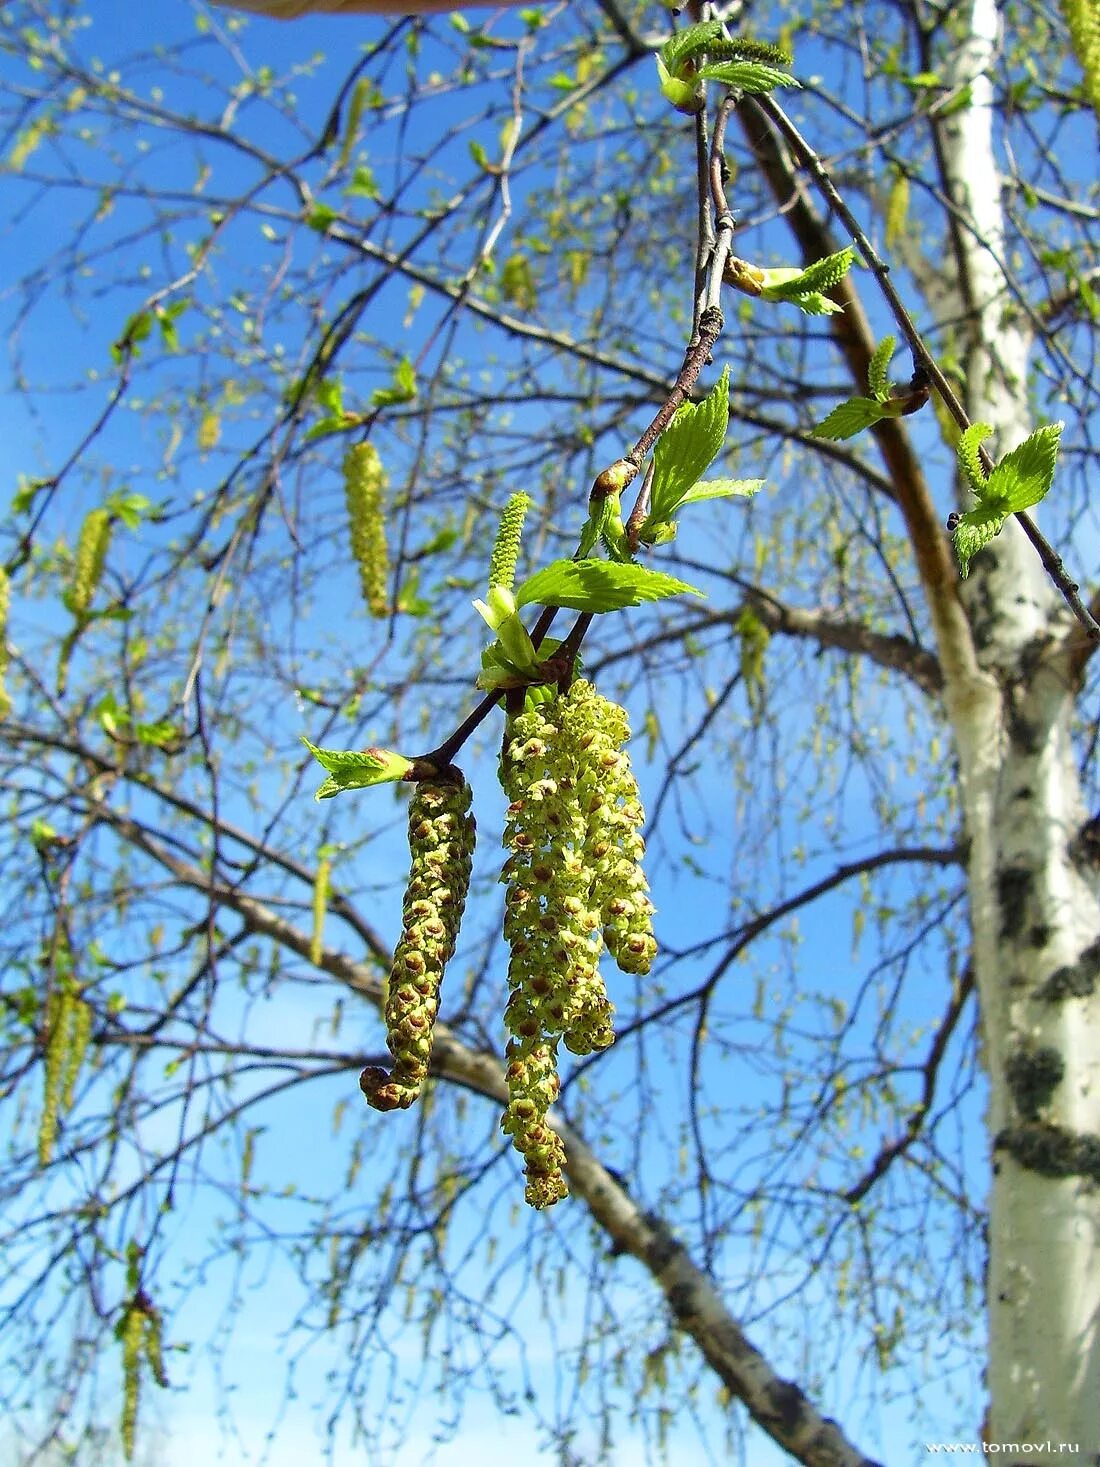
[353, 769]
[721, 489]
[362, 185]
[687, 448]
[1024, 475]
[1020, 480]
[803, 288]
[967, 453]
[320, 217]
[877, 380]
[975, 529]
[747, 76]
[136, 330]
[598, 585]
[403, 389]
[480, 156]
[824, 274]
[849, 418]
[690, 41]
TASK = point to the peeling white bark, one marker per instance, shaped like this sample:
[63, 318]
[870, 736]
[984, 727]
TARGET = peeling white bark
[1035, 908]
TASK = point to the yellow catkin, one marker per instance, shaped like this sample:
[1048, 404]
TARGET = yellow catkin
[355, 117]
[5, 602]
[154, 1348]
[76, 1047]
[210, 431]
[320, 903]
[441, 844]
[897, 209]
[364, 488]
[88, 562]
[1082, 17]
[131, 1335]
[58, 1010]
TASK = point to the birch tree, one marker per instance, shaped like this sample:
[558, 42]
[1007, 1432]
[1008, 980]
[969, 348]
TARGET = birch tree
[295, 312]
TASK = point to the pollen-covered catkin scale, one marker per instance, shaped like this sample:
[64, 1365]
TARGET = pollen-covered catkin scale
[364, 490]
[88, 561]
[441, 840]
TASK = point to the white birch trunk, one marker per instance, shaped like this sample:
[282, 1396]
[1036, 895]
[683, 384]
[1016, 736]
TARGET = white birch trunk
[1033, 891]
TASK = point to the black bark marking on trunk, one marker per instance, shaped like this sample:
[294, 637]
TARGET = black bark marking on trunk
[1076, 980]
[1014, 887]
[1052, 1151]
[1032, 1075]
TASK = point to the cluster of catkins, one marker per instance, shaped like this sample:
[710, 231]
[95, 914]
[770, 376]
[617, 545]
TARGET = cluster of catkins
[575, 883]
[441, 840]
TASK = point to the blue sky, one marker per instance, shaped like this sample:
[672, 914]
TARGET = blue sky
[296, 1142]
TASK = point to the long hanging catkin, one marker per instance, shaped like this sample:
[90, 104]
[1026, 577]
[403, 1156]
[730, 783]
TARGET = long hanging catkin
[441, 840]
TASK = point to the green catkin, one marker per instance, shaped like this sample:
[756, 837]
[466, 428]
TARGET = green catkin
[441, 840]
[154, 1346]
[1083, 21]
[88, 561]
[613, 809]
[5, 603]
[364, 489]
[505, 556]
[574, 881]
[355, 117]
[320, 904]
[58, 1006]
[76, 1048]
[131, 1336]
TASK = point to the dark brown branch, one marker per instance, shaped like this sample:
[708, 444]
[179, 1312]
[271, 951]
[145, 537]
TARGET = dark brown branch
[930, 1071]
[1052, 562]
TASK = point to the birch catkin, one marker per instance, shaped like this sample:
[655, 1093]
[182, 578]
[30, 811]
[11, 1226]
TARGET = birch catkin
[88, 561]
[574, 882]
[5, 603]
[1083, 20]
[364, 490]
[441, 841]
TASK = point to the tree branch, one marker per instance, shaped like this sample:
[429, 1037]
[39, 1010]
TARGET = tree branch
[777, 1405]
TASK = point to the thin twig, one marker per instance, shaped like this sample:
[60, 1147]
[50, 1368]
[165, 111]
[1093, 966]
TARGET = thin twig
[1051, 560]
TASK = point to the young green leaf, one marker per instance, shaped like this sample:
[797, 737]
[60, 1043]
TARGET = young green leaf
[354, 769]
[803, 288]
[1024, 475]
[849, 418]
[403, 389]
[721, 489]
[598, 586]
[974, 530]
[1020, 480]
[687, 448]
[751, 77]
[689, 42]
[877, 381]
